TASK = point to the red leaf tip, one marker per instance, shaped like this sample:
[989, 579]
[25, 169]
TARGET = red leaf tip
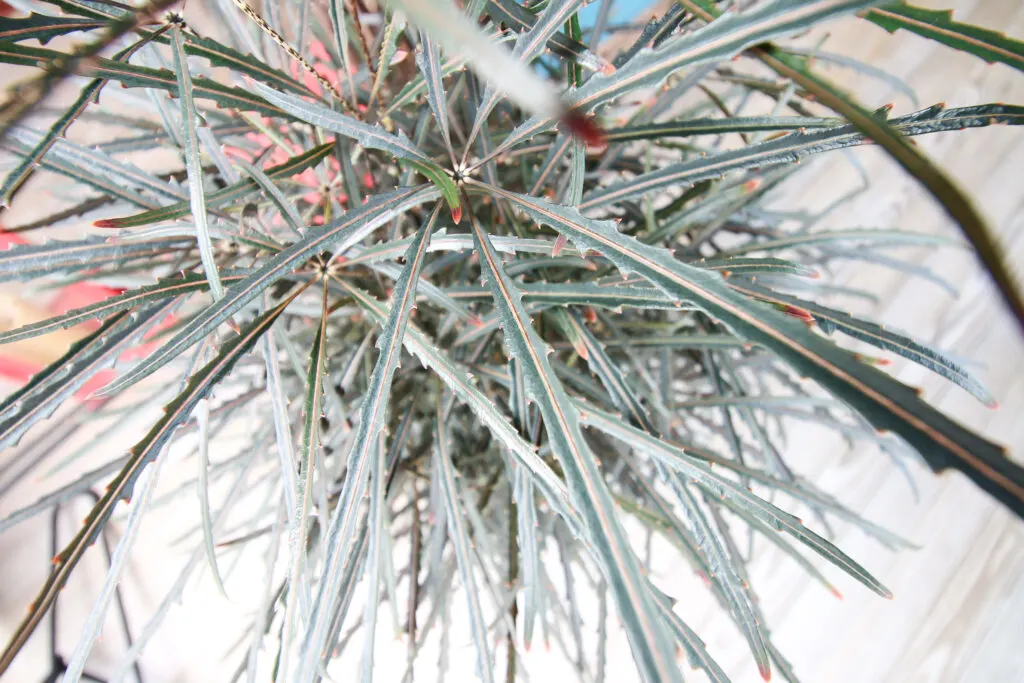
[584, 128]
[104, 223]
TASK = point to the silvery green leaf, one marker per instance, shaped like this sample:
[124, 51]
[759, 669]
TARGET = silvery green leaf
[337, 236]
[372, 137]
[368, 431]
[648, 636]
[882, 400]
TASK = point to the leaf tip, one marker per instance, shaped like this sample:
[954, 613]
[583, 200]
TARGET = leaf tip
[584, 128]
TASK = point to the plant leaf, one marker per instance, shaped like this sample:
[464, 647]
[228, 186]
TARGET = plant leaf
[132, 76]
[26, 262]
[939, 25]
[460, 540]
[830, 320]
[795, 146]
[365, 447]
[309, 443]
[141, 455]
[449, 190]
[648, 637]
[428, 59]
[339, 235]
[372, 137]
[957, 204]
[739, 124]
[43, 28]
[719, 487]
[229, 195]
[197, 195]
[39, 397]
[883, 401]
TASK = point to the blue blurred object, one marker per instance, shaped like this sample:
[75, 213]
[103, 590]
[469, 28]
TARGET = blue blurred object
[621, 12]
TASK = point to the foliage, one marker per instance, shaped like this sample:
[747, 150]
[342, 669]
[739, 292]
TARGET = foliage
[546, 297]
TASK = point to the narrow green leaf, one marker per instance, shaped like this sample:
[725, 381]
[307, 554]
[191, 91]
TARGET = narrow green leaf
[164, 289]
[957, 204]
[17, 176]
[428, 59]
[346, 231]
[92, 162]
[757, 266]
[132, 76]
[197, 195]
[440, 178]
[90, 632]
[25, 262]
[460, 541]
[845, 238]
[372, 137]
[798, 145]
[720, 487]
[881, 337]
[202, 412]
[298, 531]
[648, 637]
[43, 28]
[229, 195]
[39, 397]
[738, 124]
[883, 401]
[939, 25]
[726, 575]
[141, 455]
[365, 446]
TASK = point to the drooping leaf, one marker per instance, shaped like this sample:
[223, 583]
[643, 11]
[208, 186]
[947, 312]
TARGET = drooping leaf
[648, 638]
[39, 397]
[366, 441]
[883, 401]
[739, 124]
[718, 486]
[17, 176]
[43, 28]
[948, 194]
[309, 443]
[877, 335]
[26, 262]
[132, 76]
[460, 540]
[142, 454]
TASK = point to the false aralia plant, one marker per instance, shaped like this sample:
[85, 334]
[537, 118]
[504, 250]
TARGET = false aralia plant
[488, 289]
